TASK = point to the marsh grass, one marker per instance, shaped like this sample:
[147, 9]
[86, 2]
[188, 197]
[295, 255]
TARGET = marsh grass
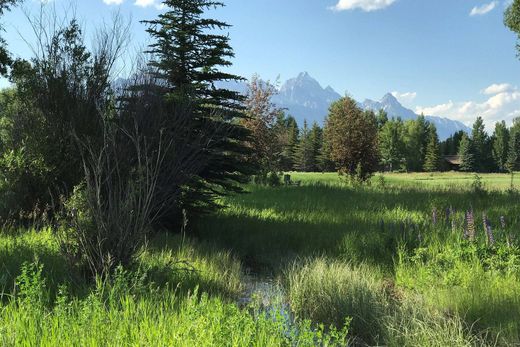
[330, 292]
[392, 260]
[121, 312]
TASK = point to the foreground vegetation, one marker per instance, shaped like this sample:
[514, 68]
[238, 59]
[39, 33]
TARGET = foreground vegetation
[323, 263]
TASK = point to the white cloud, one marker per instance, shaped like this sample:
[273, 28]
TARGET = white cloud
[145, 3]
[503, 103]
[113, 2]
[365, 5]
[405, 98]
[497, 89]
[483, 9]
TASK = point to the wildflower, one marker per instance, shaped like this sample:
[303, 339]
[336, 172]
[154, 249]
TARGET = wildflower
[453, 225]
[489, 232]
[470, 225]
[503, 222]
[434, 216]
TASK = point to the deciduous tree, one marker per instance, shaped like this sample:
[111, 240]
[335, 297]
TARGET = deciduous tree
[352, 137]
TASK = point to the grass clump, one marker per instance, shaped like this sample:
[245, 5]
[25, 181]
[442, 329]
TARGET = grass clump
[331, 292]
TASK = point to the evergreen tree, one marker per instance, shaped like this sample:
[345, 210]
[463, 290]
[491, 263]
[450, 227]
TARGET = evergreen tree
[416, 137]
[382, 119]
[481, 146]
[287, 133]
[501, 145]
[352, 137]
[451, 145]
[317, 142]
[391, 145]
[467, 154]
[513, 157]
[187, 57]
[432, 157]
[324, 159]
[305, 160]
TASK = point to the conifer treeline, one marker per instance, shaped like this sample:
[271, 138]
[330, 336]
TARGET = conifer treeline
[403, 146]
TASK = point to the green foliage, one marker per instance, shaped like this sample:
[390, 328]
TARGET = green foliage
[23, 179]
[59, 96]
[512, 19]
[305, 154]
[187, 57]
[481, 146]
[416, 138]
[513, 156]
[5, 57]
[287, 134]
[451, 145]
[432, 157]
[31, 287]
[467, 154]
[352, 137]
[501, 145]
[392, 146]
[260, 121]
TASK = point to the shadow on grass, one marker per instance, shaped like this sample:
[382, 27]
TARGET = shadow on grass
[272, 226]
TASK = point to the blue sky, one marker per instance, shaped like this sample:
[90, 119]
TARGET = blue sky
[450, 58]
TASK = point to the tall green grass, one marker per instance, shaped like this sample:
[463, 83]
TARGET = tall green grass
[126, 312]
[331, 291]
[377, 257]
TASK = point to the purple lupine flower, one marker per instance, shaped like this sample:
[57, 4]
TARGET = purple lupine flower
[489, 232]
[453, 225]
[448, 215]
[484, 221]
[470, 224]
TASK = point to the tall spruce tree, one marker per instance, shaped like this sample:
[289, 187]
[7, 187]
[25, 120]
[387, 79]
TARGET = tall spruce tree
[501, 145]
[451, 145]
[513, 156]
[432, 157]
[305, 160]
[391, 145]
[467, 154]
[481, 146]
[287, 133]
[188, 53]
[416, 139]
[317, 142]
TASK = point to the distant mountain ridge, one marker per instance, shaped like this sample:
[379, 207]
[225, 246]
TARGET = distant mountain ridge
[305, 99]
[389, 103]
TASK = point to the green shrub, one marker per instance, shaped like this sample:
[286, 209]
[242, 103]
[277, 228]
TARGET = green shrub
[273, 179]
[23, 182]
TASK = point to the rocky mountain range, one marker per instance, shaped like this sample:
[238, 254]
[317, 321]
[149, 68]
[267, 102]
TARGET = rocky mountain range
[305, 99]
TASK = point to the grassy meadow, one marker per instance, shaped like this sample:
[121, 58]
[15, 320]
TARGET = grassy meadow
[406, 261]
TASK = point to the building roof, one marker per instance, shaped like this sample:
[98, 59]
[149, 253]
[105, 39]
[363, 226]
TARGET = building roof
[453, 159]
